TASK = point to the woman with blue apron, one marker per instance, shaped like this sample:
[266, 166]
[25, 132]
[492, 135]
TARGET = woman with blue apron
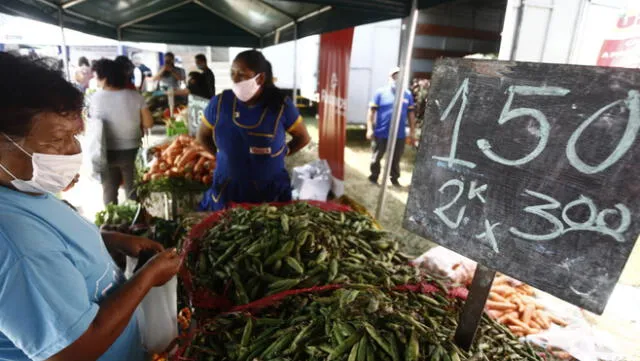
[246, 128]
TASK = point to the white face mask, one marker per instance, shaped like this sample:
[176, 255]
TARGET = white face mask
[246, 89]
[52, 173]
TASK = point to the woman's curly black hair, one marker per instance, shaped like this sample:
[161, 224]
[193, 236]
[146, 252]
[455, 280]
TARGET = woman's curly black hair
[31, 86]
[272, 96]
[114, 72]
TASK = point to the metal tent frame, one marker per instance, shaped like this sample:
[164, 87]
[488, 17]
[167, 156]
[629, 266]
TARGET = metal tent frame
[242, 23]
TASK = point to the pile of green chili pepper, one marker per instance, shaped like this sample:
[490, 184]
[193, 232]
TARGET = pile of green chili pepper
[254, 253]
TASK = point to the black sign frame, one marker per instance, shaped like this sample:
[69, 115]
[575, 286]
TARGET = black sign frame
[531, 169]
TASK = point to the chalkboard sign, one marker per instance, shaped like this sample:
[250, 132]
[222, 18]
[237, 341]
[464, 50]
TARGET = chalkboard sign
[196, 110]
[532, 170]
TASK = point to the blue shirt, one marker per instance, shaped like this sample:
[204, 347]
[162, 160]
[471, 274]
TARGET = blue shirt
[252, 146]
[383, 103]
[251, 141]
[54, 272]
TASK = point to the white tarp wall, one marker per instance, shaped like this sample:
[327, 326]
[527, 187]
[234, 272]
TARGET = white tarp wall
[374, 52]
[558, 31]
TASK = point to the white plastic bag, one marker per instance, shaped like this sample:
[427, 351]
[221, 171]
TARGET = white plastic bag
[157, 313]
[610, 337]
[312, 181]
[446, 263]
[581, 340]
[94, 147]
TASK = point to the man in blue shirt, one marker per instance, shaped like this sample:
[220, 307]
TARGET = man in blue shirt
[379, 125]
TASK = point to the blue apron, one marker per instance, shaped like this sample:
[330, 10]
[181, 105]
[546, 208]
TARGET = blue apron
[250, 166]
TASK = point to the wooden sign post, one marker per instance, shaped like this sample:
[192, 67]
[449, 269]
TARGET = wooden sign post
[532, 170]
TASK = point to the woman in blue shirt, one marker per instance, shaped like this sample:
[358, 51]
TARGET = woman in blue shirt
[61, 296]
[248, 128]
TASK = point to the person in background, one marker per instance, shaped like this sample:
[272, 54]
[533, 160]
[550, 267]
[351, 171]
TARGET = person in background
[169, 75]
[141, 72]
[83, 74]
[201, 63]
[128, 67]
[124, 113]
[379, 125]
[61, 296]
[196, 85]
[247, 127]
[93, 83]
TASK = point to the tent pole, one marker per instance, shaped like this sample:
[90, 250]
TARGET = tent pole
[65, 61]
[294, 97]
[401, 84]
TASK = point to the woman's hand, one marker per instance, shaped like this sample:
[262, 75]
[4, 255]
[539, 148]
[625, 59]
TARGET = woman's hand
[369, 134]
[162, 267]
[300, 138]
[128, 244]
[133, 245]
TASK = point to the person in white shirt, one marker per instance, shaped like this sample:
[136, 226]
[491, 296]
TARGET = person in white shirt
[83, 74]
[125, 116]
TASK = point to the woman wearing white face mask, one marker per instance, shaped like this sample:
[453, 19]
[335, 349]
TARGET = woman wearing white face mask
[61, 295]
[248, 126]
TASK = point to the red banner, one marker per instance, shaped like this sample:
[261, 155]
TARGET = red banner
[335, 55]
[622, 48]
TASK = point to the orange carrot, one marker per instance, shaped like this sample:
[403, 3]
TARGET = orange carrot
[496, 297]
[558, 321]
[505, 316]
[562, 355]
[500, 305]
[503, 290]
[199, 164]
[189, 166]
[519, 303]
[500, 280]
[528, 312]
[516, 322]
[517, 329]
[170, 149]
[188, 155]
[534, 324]
[207, 155]
[543, 319]
[526, 289]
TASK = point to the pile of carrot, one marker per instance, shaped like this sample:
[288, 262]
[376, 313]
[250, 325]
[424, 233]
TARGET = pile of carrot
[182, 158]
[512, 304]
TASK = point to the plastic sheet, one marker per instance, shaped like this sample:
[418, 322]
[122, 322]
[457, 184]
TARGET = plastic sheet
[157, 313]
[312, 181]
[443, 262]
